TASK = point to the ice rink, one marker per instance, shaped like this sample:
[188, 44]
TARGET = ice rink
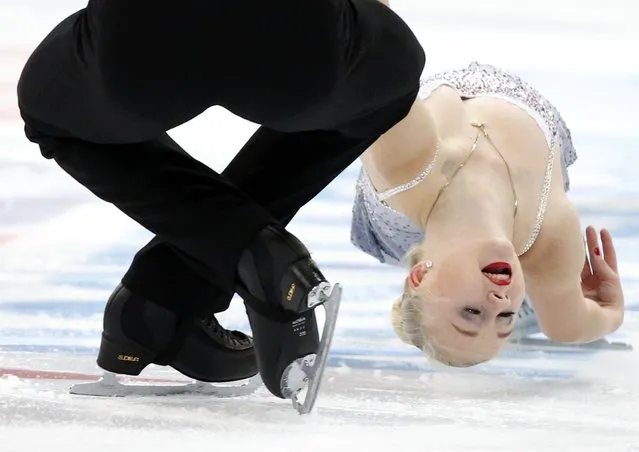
[62, 252]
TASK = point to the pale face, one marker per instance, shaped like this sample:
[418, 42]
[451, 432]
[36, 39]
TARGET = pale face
[470, 297]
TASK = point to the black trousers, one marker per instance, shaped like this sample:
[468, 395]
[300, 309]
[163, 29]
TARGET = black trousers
[323, 78]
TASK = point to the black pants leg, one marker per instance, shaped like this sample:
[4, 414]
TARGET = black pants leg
[159, 274]
[325, 77]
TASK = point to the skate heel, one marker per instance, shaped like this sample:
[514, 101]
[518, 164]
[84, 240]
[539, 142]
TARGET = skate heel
[291, 356]
[122, 358]
[278, 343]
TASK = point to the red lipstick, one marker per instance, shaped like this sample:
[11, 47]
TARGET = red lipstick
[499, 273]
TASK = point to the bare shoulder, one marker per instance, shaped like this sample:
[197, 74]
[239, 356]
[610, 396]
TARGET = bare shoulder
[559, 249]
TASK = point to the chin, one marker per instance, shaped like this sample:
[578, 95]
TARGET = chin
[498, 249]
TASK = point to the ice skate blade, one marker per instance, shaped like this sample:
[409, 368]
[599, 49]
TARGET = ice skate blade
[307, 372]
[108, 386]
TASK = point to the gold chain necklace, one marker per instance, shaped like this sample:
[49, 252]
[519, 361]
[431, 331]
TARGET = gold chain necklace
[481, 130]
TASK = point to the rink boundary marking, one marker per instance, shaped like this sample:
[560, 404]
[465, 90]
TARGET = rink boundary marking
[70, 376]
[36, 374]
[6, 237]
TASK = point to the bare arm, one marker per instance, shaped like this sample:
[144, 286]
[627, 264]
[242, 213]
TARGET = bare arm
[573, 317]
[568, 309]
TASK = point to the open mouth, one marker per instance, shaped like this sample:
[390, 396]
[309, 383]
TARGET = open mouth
[499, 273]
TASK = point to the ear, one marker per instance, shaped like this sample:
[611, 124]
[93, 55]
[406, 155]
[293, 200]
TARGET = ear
[416, 275]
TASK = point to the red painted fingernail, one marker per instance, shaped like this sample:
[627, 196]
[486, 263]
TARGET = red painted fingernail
[597, 252]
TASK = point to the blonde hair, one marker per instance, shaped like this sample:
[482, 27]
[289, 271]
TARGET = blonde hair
[407, 320]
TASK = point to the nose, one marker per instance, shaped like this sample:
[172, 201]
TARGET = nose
[499, 299]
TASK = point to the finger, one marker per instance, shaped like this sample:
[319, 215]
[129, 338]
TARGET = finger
[586, 271]
[592, 241]
[587, 265]
[609, 252]
[600, 267]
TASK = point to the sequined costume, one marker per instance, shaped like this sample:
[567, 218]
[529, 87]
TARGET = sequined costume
[386, 234]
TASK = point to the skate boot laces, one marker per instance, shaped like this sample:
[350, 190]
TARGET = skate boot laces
[235, 340]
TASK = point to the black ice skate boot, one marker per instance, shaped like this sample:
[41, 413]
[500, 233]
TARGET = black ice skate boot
[281, 286]
[137, 333]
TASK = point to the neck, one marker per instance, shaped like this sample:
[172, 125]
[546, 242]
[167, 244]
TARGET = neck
[478, 205]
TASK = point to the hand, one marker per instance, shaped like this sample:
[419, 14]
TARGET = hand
[600, 280]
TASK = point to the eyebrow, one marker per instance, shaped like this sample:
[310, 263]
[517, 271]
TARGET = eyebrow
[475, 334]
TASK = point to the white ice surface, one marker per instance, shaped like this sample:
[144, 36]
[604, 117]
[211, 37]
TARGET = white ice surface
[379, 395]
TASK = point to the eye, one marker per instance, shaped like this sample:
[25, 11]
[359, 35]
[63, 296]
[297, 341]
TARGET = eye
[472, 311]
[509, 316]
